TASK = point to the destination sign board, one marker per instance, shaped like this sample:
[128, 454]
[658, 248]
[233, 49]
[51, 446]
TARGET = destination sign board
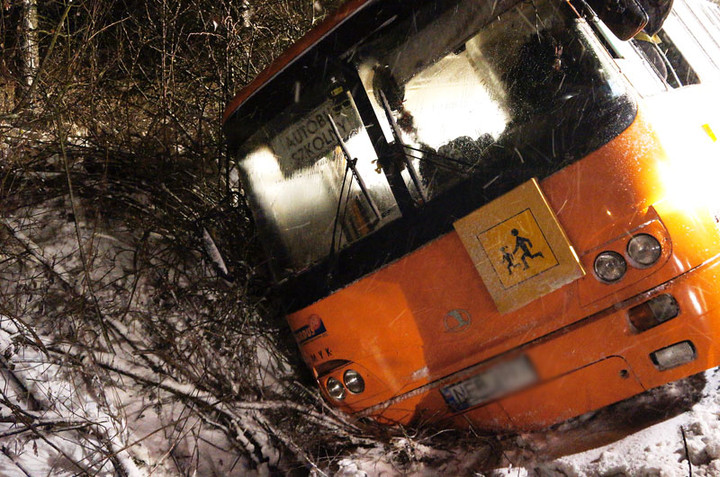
[311, 137]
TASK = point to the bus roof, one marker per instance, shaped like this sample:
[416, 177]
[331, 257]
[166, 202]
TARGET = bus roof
[294, 52]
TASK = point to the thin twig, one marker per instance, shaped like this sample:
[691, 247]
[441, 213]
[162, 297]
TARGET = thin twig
[78, 235]
[687, 453]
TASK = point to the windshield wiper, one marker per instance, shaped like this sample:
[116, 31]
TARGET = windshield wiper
[337, 213]
[351, 165]
[396, 134]
[434, 158]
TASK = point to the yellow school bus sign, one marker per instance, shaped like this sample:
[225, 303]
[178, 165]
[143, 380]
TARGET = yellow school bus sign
[519, 247]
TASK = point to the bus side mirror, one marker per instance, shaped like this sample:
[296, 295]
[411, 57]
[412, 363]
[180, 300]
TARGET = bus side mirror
[627, 18]
[658, 11]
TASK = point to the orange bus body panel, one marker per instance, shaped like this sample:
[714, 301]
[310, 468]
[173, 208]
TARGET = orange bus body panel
[427, 320]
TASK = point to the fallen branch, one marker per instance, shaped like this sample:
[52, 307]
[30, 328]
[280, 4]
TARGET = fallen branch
[121, 461]
[6, 452]
[56, 425]
[687, 453]
[244, 430]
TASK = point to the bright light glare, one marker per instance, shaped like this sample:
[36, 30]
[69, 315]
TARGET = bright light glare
[691, 174]
[447, 101]
[697, 302]
[692, 181]
[293, 204]
[286, 198]
[361, 148]
[300, 204]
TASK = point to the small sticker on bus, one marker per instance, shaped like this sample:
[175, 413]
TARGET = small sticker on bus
[710, 132]
[312, 330]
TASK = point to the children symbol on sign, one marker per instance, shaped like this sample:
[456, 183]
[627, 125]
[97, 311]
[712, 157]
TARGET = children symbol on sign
[524, 244]
[508, 259]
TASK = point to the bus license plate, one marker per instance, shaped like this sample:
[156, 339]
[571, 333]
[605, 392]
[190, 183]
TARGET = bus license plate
[500, 379]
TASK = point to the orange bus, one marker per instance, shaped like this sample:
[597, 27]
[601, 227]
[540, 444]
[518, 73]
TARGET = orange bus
[492, 213]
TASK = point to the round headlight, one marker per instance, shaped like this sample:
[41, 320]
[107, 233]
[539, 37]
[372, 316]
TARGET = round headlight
[644, 250]
[610, 266]
[335, 389]
[353, 381]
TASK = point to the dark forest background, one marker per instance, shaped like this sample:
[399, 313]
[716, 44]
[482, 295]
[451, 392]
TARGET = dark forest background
[112, 181]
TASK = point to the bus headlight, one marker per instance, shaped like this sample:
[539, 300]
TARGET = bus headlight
[335, 389]
[644, 250]
[610, 266]
[353, 381]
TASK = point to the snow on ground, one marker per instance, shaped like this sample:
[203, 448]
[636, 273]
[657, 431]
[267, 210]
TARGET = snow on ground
[62, 412]
[46, 427]
[51, 425]
[660, 450]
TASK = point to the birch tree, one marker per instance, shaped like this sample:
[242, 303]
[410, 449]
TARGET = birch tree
[30, 51]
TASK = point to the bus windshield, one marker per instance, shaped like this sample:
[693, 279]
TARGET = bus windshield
[468, 96]
[310, 172]
[531, 90]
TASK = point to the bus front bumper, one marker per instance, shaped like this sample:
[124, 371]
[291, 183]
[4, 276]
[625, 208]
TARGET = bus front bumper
[590, 364]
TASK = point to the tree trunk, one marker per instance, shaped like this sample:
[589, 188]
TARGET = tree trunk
[30, 52]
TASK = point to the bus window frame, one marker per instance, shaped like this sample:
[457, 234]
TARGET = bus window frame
[583, 30]
[631, 61]
[689, 45]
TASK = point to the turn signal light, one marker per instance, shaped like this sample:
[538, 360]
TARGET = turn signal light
[653, 312]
